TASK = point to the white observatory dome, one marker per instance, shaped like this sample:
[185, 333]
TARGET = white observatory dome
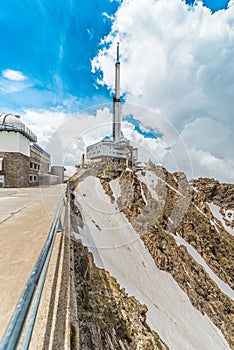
[10, 119]
[11, 122]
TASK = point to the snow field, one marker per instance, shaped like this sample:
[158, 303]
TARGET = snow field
[117, 248]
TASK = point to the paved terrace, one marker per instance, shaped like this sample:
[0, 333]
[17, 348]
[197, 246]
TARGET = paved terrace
[26, 215]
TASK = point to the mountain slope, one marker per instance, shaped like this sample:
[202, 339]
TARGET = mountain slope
[119, 219]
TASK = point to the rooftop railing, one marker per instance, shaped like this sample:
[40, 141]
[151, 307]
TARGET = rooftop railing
[21, 128]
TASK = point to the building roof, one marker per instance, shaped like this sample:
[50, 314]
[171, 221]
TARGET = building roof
[10, 122]
[41, 150]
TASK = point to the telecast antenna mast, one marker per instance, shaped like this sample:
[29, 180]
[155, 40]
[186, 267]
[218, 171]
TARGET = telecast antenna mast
[116, 101]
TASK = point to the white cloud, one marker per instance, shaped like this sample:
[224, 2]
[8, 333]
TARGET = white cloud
[44, 122]
[14, 75]
[66, 136]
[13, 81]
[105, 15]
[208, 134]
[8, 87]
[178, 61]
[210, 166]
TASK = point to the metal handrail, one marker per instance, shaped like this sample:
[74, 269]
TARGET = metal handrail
[15, 327]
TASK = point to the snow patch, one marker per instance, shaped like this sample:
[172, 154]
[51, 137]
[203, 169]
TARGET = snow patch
[215, 225]
[143, 194]
[200, 211]
[215, 210]
[224, 287]
[118, 248]
[229, 215]
[174, 190]
[115, 187]
[170, 220]
[150, 179]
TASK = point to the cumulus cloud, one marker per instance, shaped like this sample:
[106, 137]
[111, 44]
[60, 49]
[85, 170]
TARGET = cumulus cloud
[66, 136]
[43, 122]
[14, 75]
[209, 134]
[212, 166]
[177, 60]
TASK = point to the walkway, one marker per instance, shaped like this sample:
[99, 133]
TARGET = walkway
[26, 215]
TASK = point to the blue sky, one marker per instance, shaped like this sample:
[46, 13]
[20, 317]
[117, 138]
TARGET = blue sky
[214, 5]
[51, 43]
[57, 58]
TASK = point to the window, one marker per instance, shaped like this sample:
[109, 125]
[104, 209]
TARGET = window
[33, 178]
[1, 164]
[34, 166]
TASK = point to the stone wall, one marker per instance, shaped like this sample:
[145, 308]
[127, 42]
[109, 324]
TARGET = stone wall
[22, 171]
[15, 169]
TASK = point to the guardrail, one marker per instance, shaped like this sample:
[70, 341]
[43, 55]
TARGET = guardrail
[17, 323]
[21, 128]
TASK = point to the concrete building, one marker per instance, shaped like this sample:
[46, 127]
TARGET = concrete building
[108, 150]
[58, 170]
[118, 149]
[23, 162]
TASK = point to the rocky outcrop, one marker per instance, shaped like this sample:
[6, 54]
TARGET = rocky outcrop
[179, 208]
[106, 186]
[192, 278]
[193, 222]
[221, 194]
[156, 222]
[131, 201]
[107, 317]
[210, 190]
[215, 247]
